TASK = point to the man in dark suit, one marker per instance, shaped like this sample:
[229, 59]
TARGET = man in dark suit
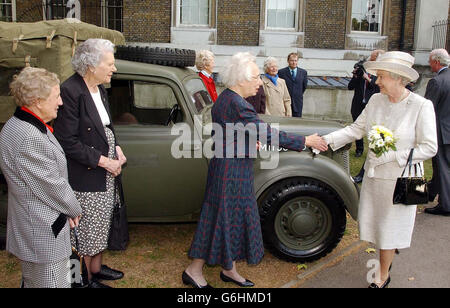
[296, 81]
[438, 91]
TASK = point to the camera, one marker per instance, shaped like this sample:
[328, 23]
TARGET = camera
[358, 68]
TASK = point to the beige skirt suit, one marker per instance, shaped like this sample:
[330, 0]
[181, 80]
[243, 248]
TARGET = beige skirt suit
[388, 225]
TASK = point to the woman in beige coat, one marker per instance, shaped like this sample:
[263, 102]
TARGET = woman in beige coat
[278, 100]
[411, 118]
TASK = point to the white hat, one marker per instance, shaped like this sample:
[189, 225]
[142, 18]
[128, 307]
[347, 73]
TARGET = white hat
[397, 62]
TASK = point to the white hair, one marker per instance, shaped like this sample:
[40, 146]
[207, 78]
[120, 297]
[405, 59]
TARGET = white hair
[203, 58]
[269, 61]
[238, 69]
[440, 55]
[89, 54]
[404, 80]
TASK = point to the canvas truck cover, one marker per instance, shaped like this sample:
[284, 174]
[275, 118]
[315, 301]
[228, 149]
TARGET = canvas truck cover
[46, 44]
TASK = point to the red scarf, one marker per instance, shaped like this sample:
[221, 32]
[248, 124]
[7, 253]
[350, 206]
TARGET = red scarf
[34, 115]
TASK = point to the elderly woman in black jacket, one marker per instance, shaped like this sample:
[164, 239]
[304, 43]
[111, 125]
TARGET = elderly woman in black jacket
[84, 129]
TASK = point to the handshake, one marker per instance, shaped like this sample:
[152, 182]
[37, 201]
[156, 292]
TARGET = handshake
[317, 143]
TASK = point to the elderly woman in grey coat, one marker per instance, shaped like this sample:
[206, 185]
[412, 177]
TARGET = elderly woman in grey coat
[41, 203]
[411, 118]
[85, 131]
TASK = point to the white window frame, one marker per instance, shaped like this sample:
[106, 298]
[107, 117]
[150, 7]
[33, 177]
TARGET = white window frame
[178, 17]
[380, 24]
[296, 19]
[13, 9]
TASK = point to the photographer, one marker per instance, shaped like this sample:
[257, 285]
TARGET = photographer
[364, 86]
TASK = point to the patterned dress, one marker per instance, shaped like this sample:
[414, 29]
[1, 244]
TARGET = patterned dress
[95, 222]
[229, 228]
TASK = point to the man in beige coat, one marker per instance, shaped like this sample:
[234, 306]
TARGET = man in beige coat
[278, 100]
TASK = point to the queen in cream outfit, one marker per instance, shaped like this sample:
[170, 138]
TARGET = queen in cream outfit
[411, 117]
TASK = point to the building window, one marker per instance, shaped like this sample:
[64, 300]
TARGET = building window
[367, 15]
[281, 14]
[193, 12]
[57, 9]
[7, 10]
[113, 14]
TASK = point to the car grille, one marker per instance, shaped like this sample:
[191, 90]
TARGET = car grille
[342, 157]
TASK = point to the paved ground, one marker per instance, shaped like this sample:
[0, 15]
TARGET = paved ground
[425, 264]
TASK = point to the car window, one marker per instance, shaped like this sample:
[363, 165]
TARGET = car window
[145, 103]
[153, 96]
[199, 96]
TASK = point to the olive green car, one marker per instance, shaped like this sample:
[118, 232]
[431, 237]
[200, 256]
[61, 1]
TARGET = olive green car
[302, 202]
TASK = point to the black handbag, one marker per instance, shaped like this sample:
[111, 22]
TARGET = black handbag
[78, 269]
[118, 234]
[411, 190]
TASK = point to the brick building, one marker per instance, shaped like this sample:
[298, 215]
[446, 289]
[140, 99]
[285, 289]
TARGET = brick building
[329, 34]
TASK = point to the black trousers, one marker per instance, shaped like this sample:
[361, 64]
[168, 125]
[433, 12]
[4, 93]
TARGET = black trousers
[440, 182]
[359, 143]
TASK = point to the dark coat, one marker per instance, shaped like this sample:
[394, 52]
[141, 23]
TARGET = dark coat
[363, 92]
[438, 91]
[296, 88]
[258, 101]
[229, 227]
[81, 134]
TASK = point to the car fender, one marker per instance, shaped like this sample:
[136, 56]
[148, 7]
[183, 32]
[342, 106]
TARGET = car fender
[304, 164]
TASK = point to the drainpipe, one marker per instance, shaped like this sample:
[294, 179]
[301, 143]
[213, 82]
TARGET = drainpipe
[402, 29]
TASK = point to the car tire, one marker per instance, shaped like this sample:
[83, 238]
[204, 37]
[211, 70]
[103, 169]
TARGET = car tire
[302, 219]
[161, 56]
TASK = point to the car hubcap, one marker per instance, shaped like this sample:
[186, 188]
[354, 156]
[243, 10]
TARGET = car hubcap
[303, 223]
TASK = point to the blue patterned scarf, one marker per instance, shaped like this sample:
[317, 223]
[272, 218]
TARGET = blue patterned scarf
[272, 78]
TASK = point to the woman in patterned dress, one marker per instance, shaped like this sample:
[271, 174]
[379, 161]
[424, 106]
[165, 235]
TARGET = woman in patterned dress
[85, 131]
[229, 227]
[411, 117]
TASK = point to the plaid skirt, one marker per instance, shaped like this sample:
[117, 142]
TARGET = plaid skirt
[229, 228]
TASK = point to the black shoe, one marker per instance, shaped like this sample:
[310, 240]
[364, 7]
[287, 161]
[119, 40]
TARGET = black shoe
[187, 280]
[437, 210]
[95, 284]
[245, 284]
[107, 273]
[384, 285]
[359, 153]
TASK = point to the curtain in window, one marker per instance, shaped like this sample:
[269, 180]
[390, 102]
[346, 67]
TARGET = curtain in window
[281, 13]
[194, 12]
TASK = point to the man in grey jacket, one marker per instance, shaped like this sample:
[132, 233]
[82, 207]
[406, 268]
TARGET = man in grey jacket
[438, 91]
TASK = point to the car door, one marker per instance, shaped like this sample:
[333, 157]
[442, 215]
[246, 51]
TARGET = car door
[158, 186]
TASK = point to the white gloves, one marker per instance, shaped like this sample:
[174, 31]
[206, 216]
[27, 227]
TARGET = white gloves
[377, 161]
[328, 139]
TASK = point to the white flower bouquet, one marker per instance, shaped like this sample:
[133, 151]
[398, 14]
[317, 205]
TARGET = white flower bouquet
[381, 140]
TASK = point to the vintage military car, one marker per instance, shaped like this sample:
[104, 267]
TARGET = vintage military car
[302, 201]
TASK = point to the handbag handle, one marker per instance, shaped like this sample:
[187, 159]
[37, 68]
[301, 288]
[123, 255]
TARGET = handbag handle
[75, 235]
[409, 164]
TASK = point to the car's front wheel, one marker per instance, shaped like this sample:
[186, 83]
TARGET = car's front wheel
[302, 219]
